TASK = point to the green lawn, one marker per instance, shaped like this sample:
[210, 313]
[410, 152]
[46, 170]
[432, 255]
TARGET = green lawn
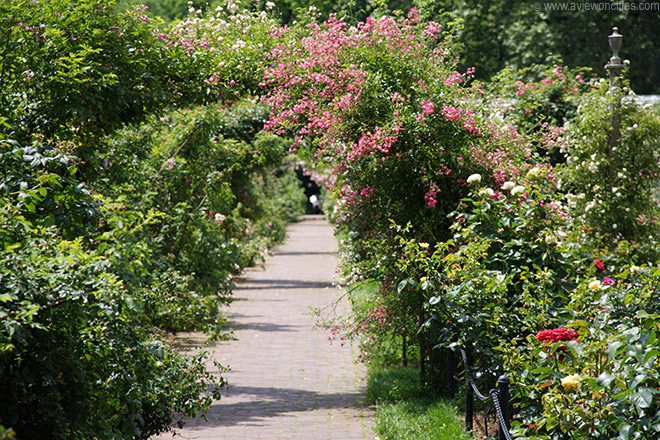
[405, 410]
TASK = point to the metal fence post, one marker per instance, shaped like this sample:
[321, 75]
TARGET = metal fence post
[504, 398]
[451, 372]
[469, 396]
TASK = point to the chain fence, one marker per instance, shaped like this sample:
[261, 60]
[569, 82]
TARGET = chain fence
[500, 397]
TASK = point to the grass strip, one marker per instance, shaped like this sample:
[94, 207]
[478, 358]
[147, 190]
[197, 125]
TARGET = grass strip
[406, 410]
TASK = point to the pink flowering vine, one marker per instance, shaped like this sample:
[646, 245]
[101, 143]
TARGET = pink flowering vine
[431, 197]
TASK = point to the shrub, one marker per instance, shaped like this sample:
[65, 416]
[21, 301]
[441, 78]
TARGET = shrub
[538, 95]
[610, 182]
[603, 385]
[102, 237]
[209, 181]
[77, 360]
[79, 70]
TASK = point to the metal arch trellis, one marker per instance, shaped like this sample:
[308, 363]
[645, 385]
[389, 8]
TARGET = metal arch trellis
[501, 393]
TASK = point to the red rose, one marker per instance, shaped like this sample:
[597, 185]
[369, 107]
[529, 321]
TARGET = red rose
[599, 266]
[557, 334]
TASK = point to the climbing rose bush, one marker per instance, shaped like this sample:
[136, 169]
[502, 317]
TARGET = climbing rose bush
[230, 47]
[381, 107]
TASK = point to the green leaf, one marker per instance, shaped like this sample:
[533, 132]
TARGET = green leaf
[6, 297]
[605, 379]
[649, 357]
[613, 349]
[49, 221]
[578, 323]
[643, 398]
[133, 304]
[625, 431]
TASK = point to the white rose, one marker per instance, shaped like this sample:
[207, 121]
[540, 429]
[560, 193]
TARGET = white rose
[534, 173]
[475, 178]
[487, 193]
[508, 186]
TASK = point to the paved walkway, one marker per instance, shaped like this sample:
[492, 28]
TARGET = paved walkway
[286, 380]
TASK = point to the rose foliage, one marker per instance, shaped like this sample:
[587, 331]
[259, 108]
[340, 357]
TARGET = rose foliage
[462, 222]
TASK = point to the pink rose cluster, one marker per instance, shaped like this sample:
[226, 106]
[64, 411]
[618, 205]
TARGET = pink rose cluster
[557, 334]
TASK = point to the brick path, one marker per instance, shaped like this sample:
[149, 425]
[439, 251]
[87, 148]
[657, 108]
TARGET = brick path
[286, 380]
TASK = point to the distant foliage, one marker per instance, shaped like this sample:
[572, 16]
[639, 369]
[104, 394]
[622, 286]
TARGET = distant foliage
[518, 34]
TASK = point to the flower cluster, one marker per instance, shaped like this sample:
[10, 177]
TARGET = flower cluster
[229, 46]
[571, 382]
[556, 335]
[431, 197]
[556, 76]
[459, 114]
[599, 266]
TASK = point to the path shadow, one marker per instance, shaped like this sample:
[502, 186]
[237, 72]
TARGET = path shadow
[267, 402]
[333, 253]
[262, 326]
[237, 299]
[237, 321]
[270, 284]
[190, 342]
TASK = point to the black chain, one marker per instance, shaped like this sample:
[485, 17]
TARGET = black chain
[469, 375]
[500, 416]
[493, 394]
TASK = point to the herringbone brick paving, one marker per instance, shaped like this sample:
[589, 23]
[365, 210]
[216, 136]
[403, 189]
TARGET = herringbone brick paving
[287, 381]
